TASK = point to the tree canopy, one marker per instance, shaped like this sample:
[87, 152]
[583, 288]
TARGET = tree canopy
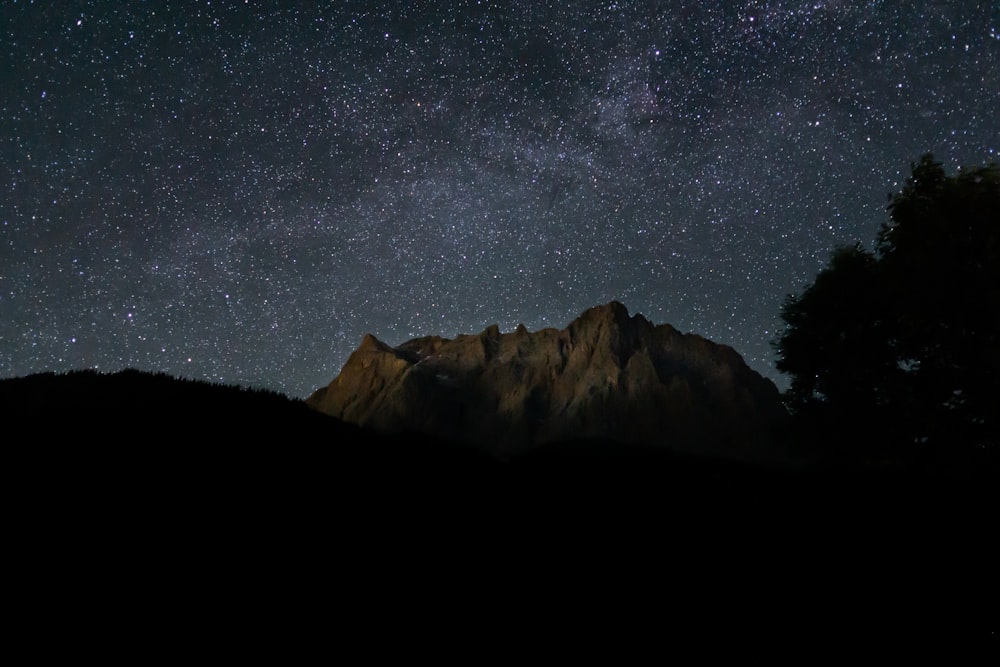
[904, 341]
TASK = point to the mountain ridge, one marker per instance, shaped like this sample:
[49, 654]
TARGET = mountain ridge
[607, 374]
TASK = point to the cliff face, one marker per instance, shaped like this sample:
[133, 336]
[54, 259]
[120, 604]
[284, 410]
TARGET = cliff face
[607, 375]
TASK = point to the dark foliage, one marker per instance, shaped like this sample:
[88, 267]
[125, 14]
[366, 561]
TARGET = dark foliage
[898, 349]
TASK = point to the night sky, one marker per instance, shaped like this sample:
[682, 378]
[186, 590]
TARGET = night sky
[238, 191]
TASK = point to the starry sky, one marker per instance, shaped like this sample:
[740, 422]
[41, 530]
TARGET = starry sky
[238, 191]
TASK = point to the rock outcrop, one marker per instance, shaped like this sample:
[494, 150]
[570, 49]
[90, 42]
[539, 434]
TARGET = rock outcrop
[607, 375]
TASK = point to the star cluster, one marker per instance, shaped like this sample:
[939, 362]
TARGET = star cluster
[238, 192]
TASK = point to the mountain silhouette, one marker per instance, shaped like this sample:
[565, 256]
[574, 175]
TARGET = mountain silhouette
[607, 375]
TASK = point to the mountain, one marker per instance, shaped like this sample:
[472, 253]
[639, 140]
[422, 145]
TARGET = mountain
[607, 375]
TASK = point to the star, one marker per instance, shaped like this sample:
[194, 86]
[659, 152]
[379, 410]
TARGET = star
[240, 193]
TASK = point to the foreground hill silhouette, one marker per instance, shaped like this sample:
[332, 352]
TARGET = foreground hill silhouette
[168, 426]
[167, 510]
[141, 433]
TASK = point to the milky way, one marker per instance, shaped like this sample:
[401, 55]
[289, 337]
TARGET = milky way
[238, 192]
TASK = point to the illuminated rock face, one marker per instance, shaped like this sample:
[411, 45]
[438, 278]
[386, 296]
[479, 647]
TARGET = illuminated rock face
[607, 375]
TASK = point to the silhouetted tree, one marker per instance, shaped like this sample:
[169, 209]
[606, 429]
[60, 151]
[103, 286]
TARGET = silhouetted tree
[906, 340]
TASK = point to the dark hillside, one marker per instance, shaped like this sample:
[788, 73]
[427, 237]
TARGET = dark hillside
[160, 433]
[139, 500]
[85, 435]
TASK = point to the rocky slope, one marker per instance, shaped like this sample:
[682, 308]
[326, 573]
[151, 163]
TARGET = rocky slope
[607, 375]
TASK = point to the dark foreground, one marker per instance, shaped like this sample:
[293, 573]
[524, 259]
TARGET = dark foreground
[149, 516]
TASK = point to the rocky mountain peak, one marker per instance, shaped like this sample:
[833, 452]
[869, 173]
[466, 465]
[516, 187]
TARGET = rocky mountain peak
[610, 329]
[607, 375]
[370, 343]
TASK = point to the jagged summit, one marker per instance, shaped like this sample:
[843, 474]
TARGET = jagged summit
[608, 375]
[370, 342]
